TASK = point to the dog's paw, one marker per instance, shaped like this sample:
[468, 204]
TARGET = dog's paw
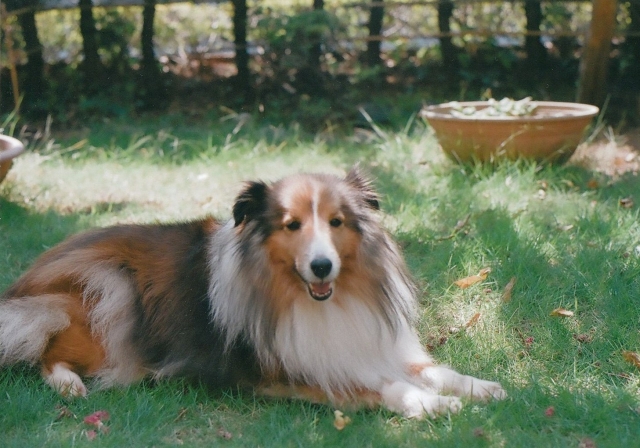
[487, 390]
[66, 382]
[435, 405]
[448, 381]
[413, 402]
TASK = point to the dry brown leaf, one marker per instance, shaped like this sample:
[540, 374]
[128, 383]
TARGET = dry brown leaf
[593, 184]
[340, 420]
[508, 289]
[587, 443]
[626, 202]
[632, 357]
[224, 434]
[474, 319]
[473, 279]
[584, 337]
[561, 312]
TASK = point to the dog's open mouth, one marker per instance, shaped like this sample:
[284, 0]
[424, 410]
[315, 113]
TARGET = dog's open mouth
[320, 291]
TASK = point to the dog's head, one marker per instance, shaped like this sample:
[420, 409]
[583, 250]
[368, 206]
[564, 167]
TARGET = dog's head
[310, 226]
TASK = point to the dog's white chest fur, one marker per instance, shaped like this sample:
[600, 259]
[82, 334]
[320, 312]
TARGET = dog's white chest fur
[339, 346]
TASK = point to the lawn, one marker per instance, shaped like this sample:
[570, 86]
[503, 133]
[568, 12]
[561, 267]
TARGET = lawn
[568, 236]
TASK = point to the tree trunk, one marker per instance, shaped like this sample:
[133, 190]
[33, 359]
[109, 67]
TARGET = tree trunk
[595, 57]
[533, 46]
[376, 18]
[151, 83]
[447, 48]
[35, 86]
[631, 46]
[243, 77]
[316, 48]
[91, 65]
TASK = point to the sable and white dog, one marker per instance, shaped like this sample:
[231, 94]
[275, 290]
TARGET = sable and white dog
[302, 294]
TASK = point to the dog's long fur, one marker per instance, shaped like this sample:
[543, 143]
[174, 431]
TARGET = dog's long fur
[301, 294]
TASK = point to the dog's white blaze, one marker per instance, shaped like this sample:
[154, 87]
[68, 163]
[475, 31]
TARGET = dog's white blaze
[320, 246]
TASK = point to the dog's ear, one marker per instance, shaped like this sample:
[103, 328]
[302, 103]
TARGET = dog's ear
[364, 186]
[250, 203]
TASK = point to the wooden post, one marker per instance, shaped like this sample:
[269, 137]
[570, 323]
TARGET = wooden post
[595, 56]
[376, 17]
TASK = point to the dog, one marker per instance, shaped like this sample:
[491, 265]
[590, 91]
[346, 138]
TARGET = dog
[302, 294]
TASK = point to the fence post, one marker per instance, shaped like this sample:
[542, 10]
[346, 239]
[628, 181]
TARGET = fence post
[376, 17]
[595, 56]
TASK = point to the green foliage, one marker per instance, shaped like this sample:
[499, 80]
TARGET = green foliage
[295, 46]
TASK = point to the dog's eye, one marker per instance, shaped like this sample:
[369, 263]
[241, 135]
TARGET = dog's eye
[293, 225]
[335, 222]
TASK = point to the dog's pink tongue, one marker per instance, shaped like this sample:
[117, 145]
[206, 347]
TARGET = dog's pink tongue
[320, 289]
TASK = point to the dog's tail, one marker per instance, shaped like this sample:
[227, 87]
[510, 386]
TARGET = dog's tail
[27, 324]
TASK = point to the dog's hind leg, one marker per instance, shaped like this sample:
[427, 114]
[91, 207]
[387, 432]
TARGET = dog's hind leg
[72, 352]
[50, 330]
[64, 380]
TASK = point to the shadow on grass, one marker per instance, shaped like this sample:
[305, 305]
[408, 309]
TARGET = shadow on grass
[590, 267]
[25, 234]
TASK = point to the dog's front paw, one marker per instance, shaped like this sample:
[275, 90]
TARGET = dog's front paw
[434, 405]
[413, 402]
[487, 390]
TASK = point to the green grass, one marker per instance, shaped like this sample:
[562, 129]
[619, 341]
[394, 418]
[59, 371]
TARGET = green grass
[567, 245]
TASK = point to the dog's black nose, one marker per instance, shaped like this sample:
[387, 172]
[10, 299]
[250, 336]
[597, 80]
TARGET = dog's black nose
[321, 267]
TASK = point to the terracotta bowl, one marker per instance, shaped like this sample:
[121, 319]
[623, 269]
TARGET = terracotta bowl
[551, 134]
[9, 148]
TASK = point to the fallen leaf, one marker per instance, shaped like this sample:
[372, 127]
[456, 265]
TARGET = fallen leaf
[587, 443]
[632, 357]
[223, 433]
[550, 411]
[626, 202]
[584, 337]
[474, 319]
[340, 420]
[473, 279]
[97, 419]
[478, 432]
[561, 312]
[508, 289]
[91, 435]
[528, 341]
[593, 184]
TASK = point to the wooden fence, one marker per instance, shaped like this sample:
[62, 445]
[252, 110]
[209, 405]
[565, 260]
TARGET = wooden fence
[597, 38]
